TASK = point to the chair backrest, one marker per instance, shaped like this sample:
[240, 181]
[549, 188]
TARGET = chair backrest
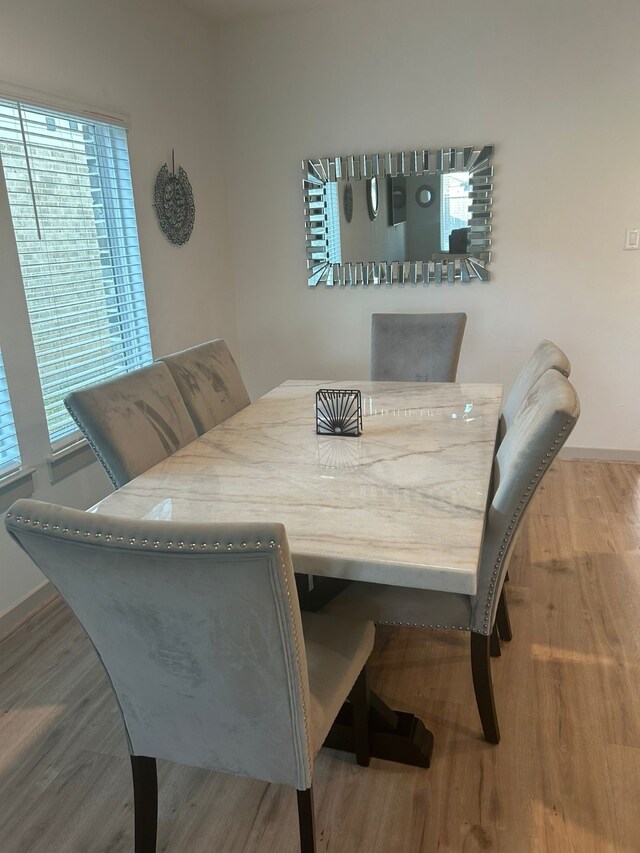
[416, 347]
[538, 431]
[210, 383]
[132, 422]
[546, 356]
[198, 627]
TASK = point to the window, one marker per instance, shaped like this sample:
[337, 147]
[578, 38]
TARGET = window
[454, 205]
[9, 451]
[332, 202]
[69, 189]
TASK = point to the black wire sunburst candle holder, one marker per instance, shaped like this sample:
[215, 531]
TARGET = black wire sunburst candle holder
[338, 412]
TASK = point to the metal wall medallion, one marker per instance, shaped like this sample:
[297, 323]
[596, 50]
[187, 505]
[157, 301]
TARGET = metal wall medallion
[174, 204]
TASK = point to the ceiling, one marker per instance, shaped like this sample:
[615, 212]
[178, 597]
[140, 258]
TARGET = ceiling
[228, 10]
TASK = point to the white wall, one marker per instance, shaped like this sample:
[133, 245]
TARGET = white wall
[552, 83]
[154, 61]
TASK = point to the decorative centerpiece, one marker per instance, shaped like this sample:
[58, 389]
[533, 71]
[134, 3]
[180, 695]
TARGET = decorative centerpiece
[338, 412]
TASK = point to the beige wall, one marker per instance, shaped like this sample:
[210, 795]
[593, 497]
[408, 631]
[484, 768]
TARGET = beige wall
[154, 61]
[551, 84]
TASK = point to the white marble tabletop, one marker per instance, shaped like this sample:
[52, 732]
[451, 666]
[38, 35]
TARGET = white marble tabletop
[403, 503]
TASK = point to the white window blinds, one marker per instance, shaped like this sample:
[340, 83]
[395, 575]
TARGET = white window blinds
[69, 186]
[454, 205]
[9, 451]
[332, 202]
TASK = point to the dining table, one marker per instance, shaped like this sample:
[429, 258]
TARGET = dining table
[403, 503]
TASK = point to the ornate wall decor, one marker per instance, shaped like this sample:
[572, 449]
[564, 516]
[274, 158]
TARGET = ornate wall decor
[443, 235]
[174, 204]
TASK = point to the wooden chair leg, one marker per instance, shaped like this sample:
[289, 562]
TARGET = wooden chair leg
[360, 703]
[483, 686]
[502, 618]
[145, 803]
[306, 821]
[494, 642]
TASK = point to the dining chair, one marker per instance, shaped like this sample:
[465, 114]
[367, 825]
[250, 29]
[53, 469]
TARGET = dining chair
[132, 422]
[200, 633]
[538, 431]
[416, 347]
[546, 356]
[210, 383]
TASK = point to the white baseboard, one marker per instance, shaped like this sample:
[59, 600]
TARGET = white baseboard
[601, 454]
[25, 608]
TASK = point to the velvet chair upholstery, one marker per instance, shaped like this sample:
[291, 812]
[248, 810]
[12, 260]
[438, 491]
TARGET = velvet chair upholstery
[210, 383]
[538, 431]
[132, 422]
[546, 356]
[199, 630]
[416, 347]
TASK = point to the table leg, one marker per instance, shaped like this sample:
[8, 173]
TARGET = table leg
[393, 735]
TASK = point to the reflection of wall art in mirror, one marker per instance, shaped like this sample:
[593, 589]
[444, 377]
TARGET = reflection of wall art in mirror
[347, 202]
[373, 200]
[445, 191]
[397, 190]
[424, 195]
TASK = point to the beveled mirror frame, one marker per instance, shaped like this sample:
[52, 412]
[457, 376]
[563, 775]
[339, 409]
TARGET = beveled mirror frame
[355, 167]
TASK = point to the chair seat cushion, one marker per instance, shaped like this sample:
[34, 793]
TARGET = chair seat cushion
[337, 649]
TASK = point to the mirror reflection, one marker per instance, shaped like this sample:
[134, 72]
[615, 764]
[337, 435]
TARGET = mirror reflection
[418, 219]
[375, 219]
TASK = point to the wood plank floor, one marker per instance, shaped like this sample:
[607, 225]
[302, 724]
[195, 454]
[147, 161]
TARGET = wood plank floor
[566, 776]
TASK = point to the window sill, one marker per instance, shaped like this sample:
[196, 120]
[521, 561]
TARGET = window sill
[70, 459]
[16, 485]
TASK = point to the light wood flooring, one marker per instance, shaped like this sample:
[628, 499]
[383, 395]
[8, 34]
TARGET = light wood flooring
[566, 776]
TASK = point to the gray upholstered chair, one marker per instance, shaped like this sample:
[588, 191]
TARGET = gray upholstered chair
[416, 347]
[210, 383]
[199, 630]
[132, 422]
[538, 431]
[546, 356]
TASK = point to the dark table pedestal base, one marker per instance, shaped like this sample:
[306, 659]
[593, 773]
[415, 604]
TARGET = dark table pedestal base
[393, 735]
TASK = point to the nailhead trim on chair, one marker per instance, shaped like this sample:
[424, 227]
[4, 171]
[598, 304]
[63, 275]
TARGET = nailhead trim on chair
[99, 456]
[296, 639]
[233, 547]
[517, 512]
[423, 625]
[503, 547]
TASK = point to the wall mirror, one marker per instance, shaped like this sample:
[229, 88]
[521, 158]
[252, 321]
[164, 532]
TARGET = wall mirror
[432, 219]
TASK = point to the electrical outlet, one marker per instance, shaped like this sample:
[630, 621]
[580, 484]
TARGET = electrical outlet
[632, 238]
